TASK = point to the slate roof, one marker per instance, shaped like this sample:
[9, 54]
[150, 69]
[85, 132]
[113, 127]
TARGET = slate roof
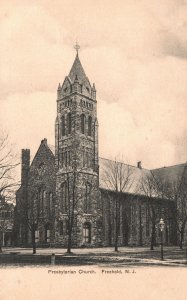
[43, 144]
[172, 173]
[52, 148]
[136, 176]
[77, 70]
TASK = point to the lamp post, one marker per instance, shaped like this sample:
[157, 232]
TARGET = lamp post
[161, 225]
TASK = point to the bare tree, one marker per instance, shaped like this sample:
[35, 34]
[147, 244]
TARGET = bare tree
[117, 177]
[152, 188]
[177, 191]
[8, 182]
[6, 218]
[34, 213]
[33, 210]
[34, 206]
[72, 201]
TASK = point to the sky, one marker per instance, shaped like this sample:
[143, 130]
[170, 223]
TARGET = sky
[135, 51]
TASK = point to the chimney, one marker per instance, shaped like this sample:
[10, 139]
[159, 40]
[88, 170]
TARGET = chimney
[25, 165]
[44, 141]
[139, 165]
[59, 91]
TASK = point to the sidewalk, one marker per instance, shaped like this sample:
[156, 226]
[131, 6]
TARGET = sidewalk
[139, 256]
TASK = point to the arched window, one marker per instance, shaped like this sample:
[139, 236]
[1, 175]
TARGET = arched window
[61, 227]
[69, 123]
[147, 220]
[65, 159]
[83, 157]
[63, 126]
[47, 232]
[69, 158]
[64, 196]
[42, 201]
[87, 200]
[83, 123]
[87, 158]
[87, 232]
[89, 125]
[36, 235]
[50, 202]
[44, 196]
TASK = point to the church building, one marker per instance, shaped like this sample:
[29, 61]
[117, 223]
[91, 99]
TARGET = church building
[68, 194]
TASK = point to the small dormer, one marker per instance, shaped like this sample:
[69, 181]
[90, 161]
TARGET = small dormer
[66, 88]
[76, 87]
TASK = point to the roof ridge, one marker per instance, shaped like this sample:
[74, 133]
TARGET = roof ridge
[165, 167]
[125, 164]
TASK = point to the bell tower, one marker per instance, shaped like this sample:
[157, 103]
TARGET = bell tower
[76, 158]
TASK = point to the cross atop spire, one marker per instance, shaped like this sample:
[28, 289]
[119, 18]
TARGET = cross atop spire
[77, 47]
[77, 71]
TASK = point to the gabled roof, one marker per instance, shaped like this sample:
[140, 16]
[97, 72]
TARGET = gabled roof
[77, 72]
[171, 174]
[44, 145]
[135, 178]
[52, 148]
[137, 175]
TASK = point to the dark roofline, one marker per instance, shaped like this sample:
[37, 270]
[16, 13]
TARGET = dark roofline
[177, 165]
[137, 195]
[124, 163]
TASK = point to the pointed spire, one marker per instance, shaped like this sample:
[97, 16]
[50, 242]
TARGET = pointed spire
[94, 92]
[78, 70]
[59, 87]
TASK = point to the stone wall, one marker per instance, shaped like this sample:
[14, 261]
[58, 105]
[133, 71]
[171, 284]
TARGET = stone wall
[36, 197]
[135, 220]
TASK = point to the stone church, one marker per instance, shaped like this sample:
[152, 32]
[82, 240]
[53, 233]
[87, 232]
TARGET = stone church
[67, 189]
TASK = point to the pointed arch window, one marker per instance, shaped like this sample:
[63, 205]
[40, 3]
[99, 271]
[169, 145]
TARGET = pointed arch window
[64, 196]
[87, 158]
[47, 232]
[89, 125]
[69, 127]
[42, 201]
[63, 126]
[44, 198]
[36, 235]
[147, 220]
[87, 198]
[61, 227]
[69, 158]
[83, 118]
[83, 157]
[50, 202]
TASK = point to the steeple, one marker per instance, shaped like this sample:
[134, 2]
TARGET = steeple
[77, 71]
[76, 154]
[76, 81]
